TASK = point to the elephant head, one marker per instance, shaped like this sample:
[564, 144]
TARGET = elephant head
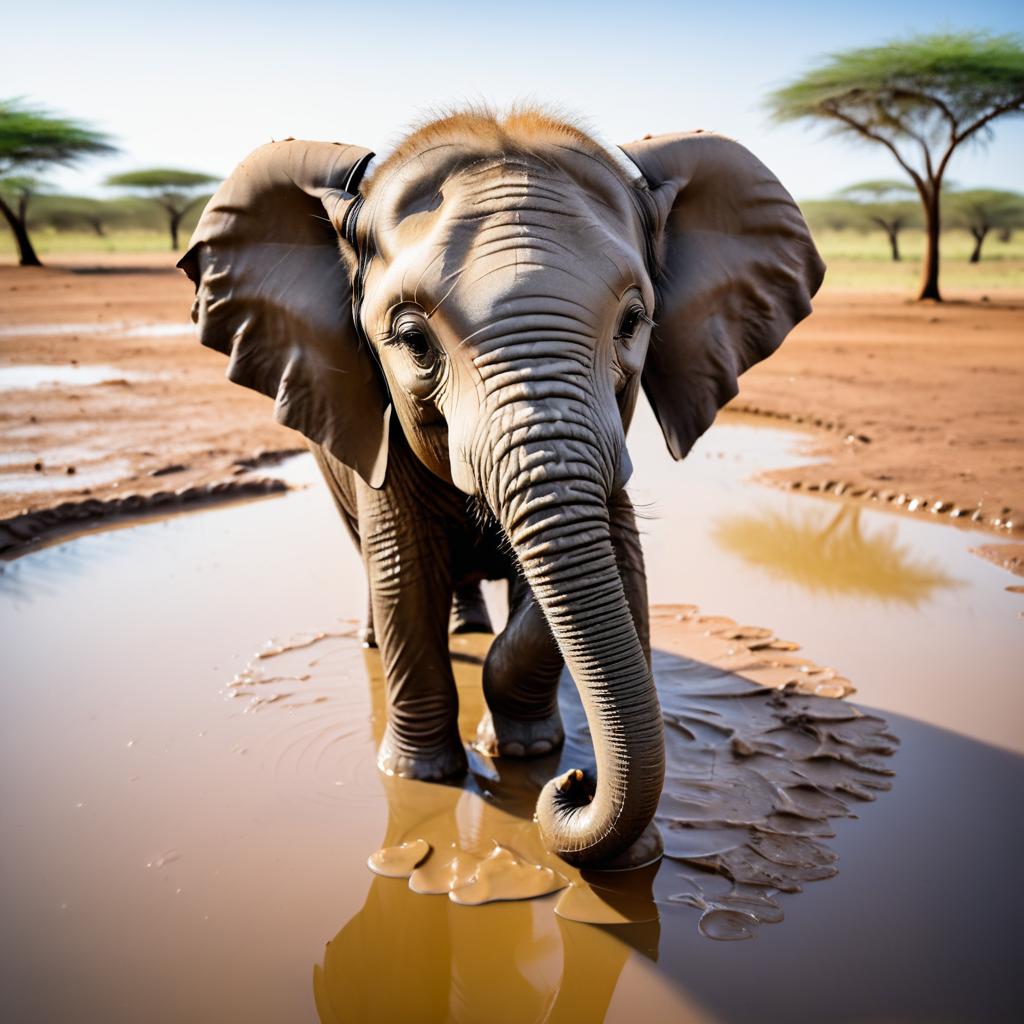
[505, 286]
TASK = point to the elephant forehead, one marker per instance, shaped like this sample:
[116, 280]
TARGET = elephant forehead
[494, 201]
[559, 180]
[503, 234]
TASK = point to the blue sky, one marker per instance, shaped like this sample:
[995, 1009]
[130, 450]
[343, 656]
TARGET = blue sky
[198, 85]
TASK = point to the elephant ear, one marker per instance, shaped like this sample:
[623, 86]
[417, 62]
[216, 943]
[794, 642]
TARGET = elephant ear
[273, 294]
[735, 271]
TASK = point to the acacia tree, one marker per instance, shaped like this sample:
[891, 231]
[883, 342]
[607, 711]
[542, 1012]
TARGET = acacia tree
[71, 213]
[888, 205]
[31, 139]
[831, 214]
[173, 190]
[921, 98]
[982, 210]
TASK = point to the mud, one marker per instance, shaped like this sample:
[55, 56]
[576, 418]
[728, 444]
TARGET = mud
[187, 827]
[902, 402]
[101, 372]
[1008, 556]
[918, 406]
[755, 772]
[23, 532]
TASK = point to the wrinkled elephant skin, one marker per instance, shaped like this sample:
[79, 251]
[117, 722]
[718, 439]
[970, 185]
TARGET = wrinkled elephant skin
[462, 332]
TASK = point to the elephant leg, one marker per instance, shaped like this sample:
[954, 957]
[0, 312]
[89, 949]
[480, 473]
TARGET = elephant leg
[411, 591]
[520, 680]
[469, 611]
[367, 635]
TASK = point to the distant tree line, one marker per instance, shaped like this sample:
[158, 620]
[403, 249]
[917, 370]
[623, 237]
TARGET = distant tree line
[922, 99]
[890, 207]
[33, 139]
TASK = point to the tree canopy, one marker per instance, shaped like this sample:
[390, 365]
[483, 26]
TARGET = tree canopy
[920, 98]
[31, 139]
[878, 190]
[76, 213]
[174, 190]
[832, 214]
[853, 208]
[885, 204]
[161, 179]
[982, 210]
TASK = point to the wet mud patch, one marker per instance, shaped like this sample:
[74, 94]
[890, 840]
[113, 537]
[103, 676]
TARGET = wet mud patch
[762, 755]
[755, 770]
[124, 747]
[21, 533]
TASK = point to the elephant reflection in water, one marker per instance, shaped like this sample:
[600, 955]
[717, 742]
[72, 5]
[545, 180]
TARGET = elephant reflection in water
[407, 957]
[754, 777]
[410, 957]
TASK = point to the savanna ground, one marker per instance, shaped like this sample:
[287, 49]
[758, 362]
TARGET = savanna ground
[916, 405]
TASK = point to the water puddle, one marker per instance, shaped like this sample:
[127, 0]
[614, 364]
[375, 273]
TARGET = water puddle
[41, 375]
[176, 803]
[922, 626]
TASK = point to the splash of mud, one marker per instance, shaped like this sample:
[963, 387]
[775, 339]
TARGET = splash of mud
[761, 753]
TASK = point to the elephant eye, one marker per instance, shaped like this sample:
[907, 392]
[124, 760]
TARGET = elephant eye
[631, 321]
[414, 340]
[411, 336]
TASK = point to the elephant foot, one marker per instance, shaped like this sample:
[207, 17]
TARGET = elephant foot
[648, 849]
[500, 736]
[427, 766]
[367, 637]
[469, 611]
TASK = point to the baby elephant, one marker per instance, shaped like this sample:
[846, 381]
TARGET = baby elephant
[462, 332]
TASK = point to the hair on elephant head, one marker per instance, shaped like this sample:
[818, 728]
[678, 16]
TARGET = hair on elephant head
[505, 287]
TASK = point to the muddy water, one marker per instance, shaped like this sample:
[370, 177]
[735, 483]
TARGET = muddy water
[186, 826]
[898, 604]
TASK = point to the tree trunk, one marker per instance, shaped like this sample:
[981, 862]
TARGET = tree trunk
[979, 237]
[175, 221]
[933, 224]
[894, 243]
[26, 252]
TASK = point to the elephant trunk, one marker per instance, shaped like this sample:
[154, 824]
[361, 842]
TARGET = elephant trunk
[550, 491]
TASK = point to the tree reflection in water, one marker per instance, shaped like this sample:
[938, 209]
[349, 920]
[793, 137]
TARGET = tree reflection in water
[828, 551]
